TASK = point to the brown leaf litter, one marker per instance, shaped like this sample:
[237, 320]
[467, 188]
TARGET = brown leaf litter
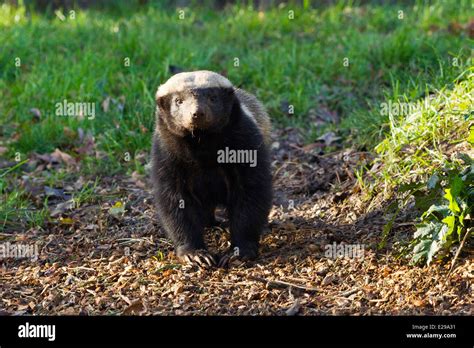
[97, 261]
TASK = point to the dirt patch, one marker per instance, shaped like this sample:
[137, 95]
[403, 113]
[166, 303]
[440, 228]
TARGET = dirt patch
[97, 260]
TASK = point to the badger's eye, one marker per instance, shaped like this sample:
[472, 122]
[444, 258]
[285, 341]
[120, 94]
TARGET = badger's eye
[178, 101]
[212, 98]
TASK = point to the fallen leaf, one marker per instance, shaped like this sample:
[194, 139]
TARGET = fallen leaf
[69, 132]
[310, 147]
[328, 138]
[36, 113]
[126, 299]
[54, 192]
[294, 309]
[455, 27]
[106, 104]
[386, 271]
[418, 303]
[121, 103]
[60, 156]
[91, 227]
[325, 115]
[143, 129]
[66, 221]
[88, 145]
[137, 179]
[470, 29]
[62, 207]
[117, 209]
[328, 279]
[136, 307]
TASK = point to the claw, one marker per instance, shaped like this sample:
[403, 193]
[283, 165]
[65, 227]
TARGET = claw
[223, 262]
[197, 260]
[209, 259]
[187, 259]
[201, 258]
[241, 254]
[226, 259]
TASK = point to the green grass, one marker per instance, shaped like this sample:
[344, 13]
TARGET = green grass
[427, 161]
[296, 61]
[427, 138]
[16, 211]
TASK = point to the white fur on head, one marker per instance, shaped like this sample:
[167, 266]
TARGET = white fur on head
[194, 79]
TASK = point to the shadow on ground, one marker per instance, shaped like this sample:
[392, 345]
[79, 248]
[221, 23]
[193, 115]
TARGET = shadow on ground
[96, 262]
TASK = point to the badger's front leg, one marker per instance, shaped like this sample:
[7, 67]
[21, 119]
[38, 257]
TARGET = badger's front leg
[185, 227]
[249, 205]
[183, 219]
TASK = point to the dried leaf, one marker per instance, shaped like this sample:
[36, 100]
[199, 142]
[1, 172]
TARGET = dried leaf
[136, 307]
[61, 208]
[294, 309]
[106, 104]
[60, 156]
[36, 113]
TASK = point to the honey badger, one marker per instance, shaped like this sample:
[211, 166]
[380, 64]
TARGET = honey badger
[200, 116]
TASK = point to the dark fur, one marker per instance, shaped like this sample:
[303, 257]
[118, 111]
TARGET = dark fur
[185, 167]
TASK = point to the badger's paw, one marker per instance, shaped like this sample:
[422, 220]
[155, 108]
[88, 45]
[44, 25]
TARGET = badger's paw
[237, 256]
[200, 257]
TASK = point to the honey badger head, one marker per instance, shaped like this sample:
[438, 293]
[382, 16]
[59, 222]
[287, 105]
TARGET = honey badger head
[195, 101]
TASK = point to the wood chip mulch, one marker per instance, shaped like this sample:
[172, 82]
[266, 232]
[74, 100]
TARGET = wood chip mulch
[93, 262]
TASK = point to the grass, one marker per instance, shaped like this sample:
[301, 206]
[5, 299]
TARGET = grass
[428, 137]
[16, 209]
[300, 62]
[426, 165]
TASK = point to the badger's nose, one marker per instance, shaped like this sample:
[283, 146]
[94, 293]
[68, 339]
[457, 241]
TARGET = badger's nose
[197, 115]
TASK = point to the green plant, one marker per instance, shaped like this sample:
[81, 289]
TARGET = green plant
[447, 200]
[422, 158]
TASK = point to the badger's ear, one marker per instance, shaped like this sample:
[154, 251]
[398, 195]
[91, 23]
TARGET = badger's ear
[163, 102]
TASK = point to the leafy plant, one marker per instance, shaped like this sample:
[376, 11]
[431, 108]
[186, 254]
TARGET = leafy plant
[417, 160]
[448, 198]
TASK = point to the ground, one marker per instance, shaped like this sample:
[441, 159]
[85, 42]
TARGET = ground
[106, 258]
[77, 187]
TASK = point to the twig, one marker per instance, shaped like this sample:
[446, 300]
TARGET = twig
[379, 300]
[384, 299]
[349, 292]
[404, 224]
[458, 252]
[282, 284]
[81, 268]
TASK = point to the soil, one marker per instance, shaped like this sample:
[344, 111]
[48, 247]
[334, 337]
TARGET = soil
[94, 260]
